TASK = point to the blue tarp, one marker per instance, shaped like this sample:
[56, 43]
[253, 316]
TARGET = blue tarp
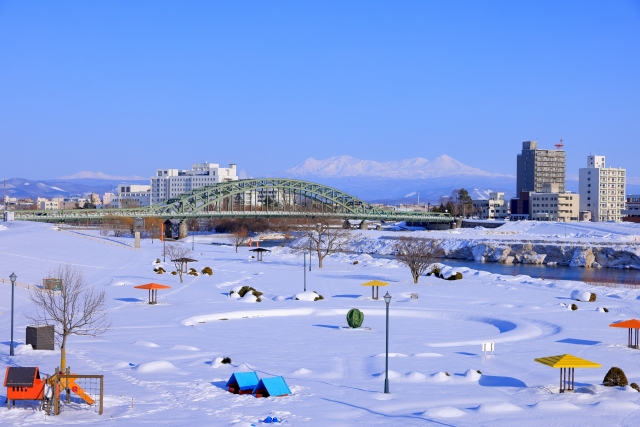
[275, 386]
[244, 380]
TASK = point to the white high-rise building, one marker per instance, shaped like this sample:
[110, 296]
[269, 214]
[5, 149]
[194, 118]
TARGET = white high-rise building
[602, 190]
[168, 183]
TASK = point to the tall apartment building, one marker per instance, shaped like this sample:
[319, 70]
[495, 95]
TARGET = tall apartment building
[168, 183]
[537, 167]
[602, 190]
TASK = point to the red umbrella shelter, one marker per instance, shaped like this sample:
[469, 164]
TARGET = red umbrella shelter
[634, 326]
[153, 291]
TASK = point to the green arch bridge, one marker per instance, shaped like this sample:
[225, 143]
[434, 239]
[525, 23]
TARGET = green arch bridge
[249, 198]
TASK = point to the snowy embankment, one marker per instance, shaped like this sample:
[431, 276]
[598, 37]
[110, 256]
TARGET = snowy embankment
[526, 242]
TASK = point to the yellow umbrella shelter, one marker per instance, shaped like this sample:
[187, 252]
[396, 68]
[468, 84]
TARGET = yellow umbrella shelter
[634, 326]
[374, 286]
[567, 364]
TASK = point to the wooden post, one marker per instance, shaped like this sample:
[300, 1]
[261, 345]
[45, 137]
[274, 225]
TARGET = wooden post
[101, 393]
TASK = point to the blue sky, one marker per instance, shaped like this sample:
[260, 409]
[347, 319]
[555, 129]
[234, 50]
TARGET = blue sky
[127, 87]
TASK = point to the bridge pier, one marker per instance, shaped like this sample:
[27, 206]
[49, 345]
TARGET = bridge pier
[363, 225]
[175, 229]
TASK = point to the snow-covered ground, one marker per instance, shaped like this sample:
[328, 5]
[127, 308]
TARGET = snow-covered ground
[167, 357]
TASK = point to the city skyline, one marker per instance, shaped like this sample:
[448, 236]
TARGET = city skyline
[125, 88]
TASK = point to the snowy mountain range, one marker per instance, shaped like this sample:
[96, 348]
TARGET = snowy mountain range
[416, 168]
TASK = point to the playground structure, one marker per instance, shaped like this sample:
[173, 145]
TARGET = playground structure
[634, 326]
[153, 291]
[567, 364]
[24, 383]
[375, 284]
[249, 383]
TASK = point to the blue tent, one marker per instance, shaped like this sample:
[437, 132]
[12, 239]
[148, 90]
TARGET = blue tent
[242, 382]
[275, 386]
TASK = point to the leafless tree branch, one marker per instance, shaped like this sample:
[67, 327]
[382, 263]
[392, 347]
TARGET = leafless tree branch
[417, 254]
[77, 309]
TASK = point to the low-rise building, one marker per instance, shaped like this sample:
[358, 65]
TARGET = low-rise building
[552, 205]
[133, 196]
[632, 211]
[496, 207]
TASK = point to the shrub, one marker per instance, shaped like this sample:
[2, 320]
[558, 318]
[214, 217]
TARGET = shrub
[615, 378]
[226, 360]
[435, 271]
[355, 262]
[635, 387]
[319, 297]
[355, 318]
[243, 290]
[606, 310]
[207, 270]
[157, 261]
[574, 307]
[456, 276]
[447, 374]
[479, 371]
[592, 297]
[173, 273]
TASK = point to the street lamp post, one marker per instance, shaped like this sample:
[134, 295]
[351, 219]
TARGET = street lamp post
[304, 268]
[387, 300]
[13, 278]
[309, 254]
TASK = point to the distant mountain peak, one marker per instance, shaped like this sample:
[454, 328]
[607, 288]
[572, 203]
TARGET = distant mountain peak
[100, 175]
[415, 168]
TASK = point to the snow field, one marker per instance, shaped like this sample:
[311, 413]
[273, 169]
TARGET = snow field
[168, 357]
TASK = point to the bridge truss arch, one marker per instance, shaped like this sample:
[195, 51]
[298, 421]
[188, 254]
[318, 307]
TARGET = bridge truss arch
[264, 197]
[279, 197]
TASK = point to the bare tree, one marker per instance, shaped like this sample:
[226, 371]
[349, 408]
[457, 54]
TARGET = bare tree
[417, 254]
[178, 253]
[326, 237]
[77, 309]
[239, 237]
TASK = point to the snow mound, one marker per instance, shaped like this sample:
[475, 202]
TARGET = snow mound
[249, 297]
[439, 377]
[122, 365]
[217, 363]
[498, 408]
[472, 375]
[590, 389]
[414, 377]
[23, 349]
[600, 310]
[579, 295]
[302, 372]
[306, 296]
[146, 344]
[444, 412]
[184, 348]
[555, 406]
[427, 355]
[617, 405]
[122, 283]
[157, 366]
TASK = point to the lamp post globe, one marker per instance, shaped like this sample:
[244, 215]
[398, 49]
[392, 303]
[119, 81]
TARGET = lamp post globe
[387, 300]
[13, 278]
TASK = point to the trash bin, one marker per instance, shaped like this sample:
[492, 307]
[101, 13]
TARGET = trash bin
[41, 337]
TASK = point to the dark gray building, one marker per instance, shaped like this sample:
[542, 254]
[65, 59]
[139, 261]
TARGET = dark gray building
[537, 167]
